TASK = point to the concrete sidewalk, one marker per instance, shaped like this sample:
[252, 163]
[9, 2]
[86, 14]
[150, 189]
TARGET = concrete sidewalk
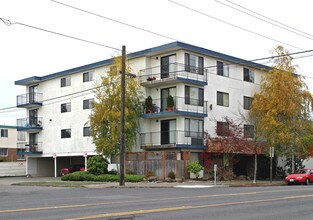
[6, 181]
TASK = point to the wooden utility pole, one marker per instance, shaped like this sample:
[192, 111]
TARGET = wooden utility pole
[122, 130]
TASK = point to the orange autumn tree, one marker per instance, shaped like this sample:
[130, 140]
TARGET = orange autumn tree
[283, 107]
[231, 140]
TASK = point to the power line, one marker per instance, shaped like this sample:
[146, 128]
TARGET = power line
[116, 21]
[9, 23]
[239, 27]
[270, 18]
[279, 26]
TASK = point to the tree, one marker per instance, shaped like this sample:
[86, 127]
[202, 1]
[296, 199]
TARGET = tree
[105, 116]
[282, 107]
[97, 165]
[230, 141]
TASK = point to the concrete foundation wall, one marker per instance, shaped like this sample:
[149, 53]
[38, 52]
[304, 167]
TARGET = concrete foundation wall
[13, 169]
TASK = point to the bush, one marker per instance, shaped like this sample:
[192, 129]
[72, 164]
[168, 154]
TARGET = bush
[194, 167]
[97, 165]
[171, 175]
[150, 173]
[86, 176]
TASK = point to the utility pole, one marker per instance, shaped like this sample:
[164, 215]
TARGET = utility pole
[122, 130]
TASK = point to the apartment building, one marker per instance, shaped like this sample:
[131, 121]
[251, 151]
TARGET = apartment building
[188, 91]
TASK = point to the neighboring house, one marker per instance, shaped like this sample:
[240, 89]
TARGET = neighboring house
[8, 143]
[12, 161]
[205, 85]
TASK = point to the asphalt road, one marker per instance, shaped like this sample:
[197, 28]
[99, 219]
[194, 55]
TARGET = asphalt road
[279, 202]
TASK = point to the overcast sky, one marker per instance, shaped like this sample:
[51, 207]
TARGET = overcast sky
[26, 52]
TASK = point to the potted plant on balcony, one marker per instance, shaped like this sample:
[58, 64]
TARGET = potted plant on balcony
[149, 105]
[170, 103]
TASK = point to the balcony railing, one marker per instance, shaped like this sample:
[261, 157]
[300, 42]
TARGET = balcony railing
[170, 139]
[29, 124]
[182, 105]
[175, 71]
[29, 100]
[30, 148]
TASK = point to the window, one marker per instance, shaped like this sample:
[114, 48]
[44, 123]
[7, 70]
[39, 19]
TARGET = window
[194, 64]
[66, 107]
[21, 136]
[248, 75]
[222, 128]
[4, 132]
[247, 101]
[86, 131]
[248, 131]
[222, 69]
[66, 133]
[88, 76]
[87, 103]
[194, 96]
[193, 128]
[66, 81]
[223, 99]
[21, 154]
[4, 152]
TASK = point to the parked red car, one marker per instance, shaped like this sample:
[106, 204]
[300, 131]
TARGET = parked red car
[72, 169]
[304, 176]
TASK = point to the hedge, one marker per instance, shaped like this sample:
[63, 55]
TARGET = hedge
[85, 176]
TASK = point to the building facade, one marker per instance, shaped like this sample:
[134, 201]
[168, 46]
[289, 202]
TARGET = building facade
[188, 91]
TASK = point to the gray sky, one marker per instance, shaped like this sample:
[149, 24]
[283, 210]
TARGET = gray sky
[26, 52]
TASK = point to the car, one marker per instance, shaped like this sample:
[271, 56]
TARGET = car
[72, 169]
[304, 176]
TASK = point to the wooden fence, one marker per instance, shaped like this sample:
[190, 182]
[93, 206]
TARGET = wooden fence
[159, 163]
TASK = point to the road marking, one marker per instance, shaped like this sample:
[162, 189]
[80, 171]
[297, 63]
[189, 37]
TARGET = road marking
[146, 200]
[178, 208]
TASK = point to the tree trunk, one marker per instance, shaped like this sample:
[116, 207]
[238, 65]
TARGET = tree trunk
[255, 167]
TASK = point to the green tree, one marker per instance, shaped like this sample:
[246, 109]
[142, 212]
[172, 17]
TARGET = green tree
[282, 107]
[106, 113]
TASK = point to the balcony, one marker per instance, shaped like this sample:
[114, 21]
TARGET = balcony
[29, 100]
[29, 148]
[155, 76]
[172, 140]
[32, 124]
[182, 106]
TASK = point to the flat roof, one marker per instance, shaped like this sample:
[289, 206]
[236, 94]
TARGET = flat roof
[147, 52]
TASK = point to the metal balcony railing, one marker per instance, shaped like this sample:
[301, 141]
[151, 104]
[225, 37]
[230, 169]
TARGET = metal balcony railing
[173, 71]
[181, 104]
[30, 147]
[29, 99]
[31, 123]
[175, 137]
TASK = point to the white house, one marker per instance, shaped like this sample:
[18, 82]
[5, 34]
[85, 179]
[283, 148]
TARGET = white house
[205, 85]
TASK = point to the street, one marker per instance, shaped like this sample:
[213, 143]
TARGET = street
[236, 203]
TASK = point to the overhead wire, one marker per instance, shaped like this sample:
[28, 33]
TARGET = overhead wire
[278, 22]
[233, 25]
[264, 20]
[9, 23]
[114, 20]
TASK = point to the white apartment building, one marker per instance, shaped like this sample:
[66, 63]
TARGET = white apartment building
[205, 85]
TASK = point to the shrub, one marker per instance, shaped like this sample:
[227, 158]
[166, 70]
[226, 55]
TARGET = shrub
[86, 176]
[97, 165]
[150, 173]
[171, 175]
[195, 168]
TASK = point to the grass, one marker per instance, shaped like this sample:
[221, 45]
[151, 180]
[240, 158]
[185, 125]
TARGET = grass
[57, 184]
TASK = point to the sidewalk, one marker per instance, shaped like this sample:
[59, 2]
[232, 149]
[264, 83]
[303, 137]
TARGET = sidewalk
[51, 181]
